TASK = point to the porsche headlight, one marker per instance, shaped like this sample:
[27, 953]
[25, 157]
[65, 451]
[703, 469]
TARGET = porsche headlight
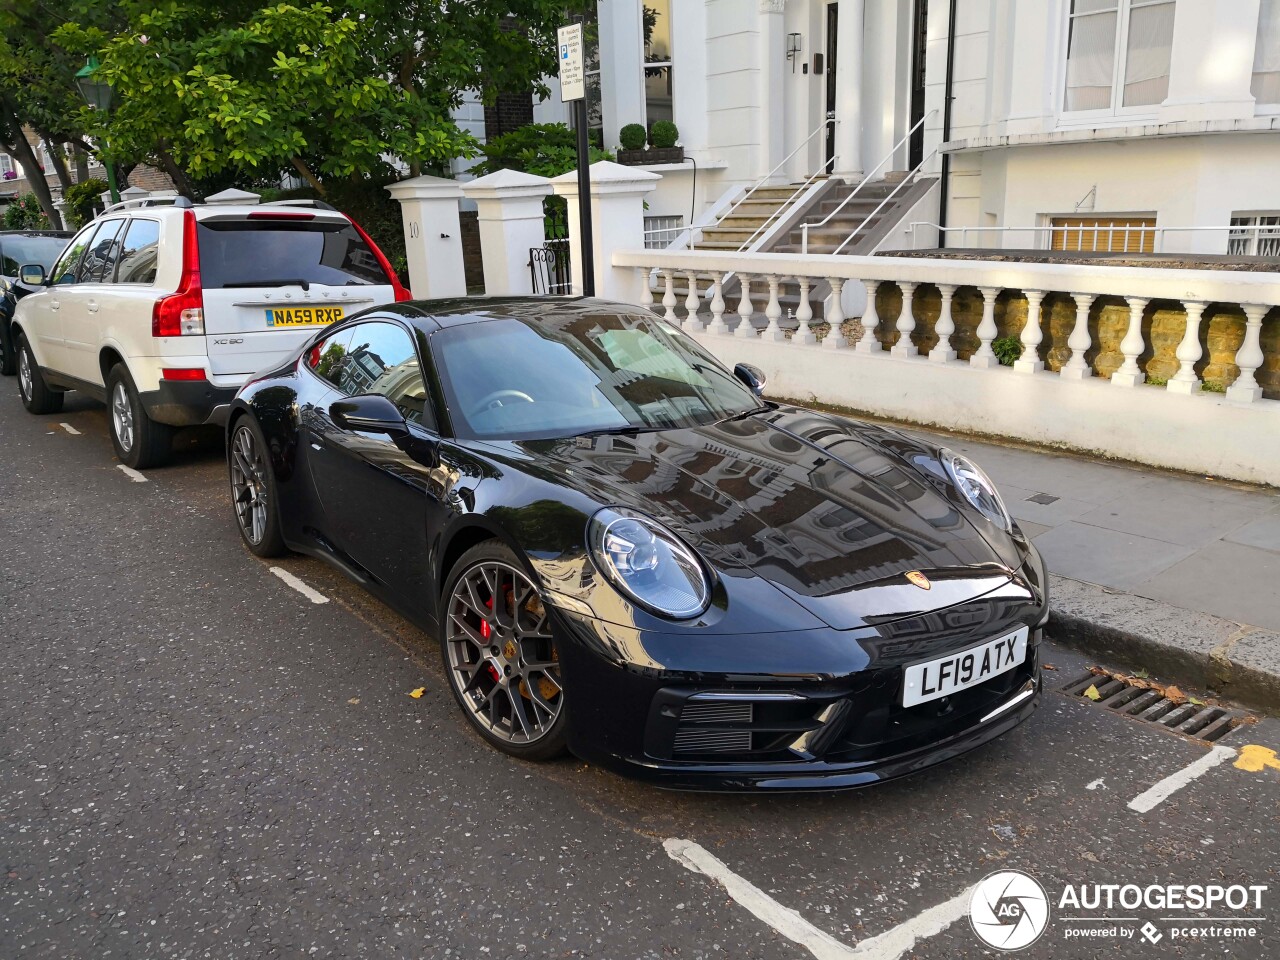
[648, 563]
[977, 488]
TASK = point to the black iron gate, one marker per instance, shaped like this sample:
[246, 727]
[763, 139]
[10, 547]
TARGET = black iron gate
[549, 265]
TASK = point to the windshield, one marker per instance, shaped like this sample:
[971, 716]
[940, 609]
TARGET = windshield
[559, 375]
[18, 250]
[248, 253]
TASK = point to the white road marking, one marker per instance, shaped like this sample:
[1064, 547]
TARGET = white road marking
[132, 474]
[70, 429]
[1171, 784]
[315, 596]
[887, 946]
[1099, 783]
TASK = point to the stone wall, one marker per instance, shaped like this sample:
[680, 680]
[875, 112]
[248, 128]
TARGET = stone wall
[1163, 324]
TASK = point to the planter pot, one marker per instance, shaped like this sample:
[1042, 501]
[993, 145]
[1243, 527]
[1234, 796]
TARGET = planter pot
[638, 158]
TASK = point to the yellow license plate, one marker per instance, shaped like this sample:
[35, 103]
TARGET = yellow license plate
[303, 316]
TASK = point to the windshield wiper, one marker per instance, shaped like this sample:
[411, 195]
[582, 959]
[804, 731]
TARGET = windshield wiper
[750, 413]
[304, 284]
[630, 430]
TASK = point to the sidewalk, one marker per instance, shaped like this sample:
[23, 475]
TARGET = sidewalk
[1179, 575]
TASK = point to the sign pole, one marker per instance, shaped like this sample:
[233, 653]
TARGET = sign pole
[573, 89]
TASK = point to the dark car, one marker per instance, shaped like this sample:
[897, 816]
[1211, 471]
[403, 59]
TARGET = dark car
[18, 247]
[626, 552]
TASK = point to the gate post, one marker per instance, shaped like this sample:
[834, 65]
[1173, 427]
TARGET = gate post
[617, 212]
[509, 209]
[432, 236]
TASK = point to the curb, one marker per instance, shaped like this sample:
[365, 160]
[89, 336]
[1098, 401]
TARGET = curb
[1235, 661]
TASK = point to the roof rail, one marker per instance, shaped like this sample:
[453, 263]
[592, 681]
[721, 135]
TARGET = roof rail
[304, 202]
[180, 202]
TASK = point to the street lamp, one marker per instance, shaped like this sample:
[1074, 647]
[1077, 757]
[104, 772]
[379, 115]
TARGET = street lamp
[97, 94]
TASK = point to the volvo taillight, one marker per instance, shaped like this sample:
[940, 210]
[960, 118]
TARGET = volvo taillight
[401, 293]
[181, 313]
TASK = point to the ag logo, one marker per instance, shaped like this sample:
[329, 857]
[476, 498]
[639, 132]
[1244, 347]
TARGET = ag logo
[1009, 910]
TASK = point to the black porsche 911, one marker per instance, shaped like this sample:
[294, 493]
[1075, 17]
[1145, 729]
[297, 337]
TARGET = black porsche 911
[626, 552]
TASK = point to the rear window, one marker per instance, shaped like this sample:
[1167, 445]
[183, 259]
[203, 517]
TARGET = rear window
[240, 253]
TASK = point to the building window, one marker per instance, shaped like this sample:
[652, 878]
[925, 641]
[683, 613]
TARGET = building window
[657, 61]
[1255, 235]
[591, 73]
[1118, 54]
[6, 166]
[1266, 55]
[1103, 234]
[660, 232]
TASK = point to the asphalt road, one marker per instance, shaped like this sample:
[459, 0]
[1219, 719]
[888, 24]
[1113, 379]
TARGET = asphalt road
[196, 760]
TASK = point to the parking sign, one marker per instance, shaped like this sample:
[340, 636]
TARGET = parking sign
[573, 84]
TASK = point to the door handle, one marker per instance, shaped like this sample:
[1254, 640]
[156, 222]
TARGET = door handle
[93, 306]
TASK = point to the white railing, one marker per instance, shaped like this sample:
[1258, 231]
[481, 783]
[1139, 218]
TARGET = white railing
[888, 158]
[960, 383]
[1101, 238]
[768, 177]
[887, 201]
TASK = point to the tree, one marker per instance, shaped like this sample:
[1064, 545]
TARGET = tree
[329, 89]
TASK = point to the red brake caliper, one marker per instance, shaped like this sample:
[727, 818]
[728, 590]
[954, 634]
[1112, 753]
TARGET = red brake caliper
[485, 632]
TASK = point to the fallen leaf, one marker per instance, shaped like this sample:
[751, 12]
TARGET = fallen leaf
[1173, 693]
[417, 694]
[1142, 674]
[1196, 700]
[1092, 693]
[1092, 858]
[354, 701]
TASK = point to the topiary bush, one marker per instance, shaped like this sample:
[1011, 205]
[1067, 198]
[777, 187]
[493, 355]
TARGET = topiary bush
[663, 135]
[25, 214]
[1007, 350]
[83, 200]
[632, 136]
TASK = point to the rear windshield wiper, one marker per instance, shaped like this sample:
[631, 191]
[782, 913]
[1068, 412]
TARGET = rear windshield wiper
[304, 284]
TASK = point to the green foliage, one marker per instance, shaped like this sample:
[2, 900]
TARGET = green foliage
[1213, 386]
[1157, 381]
[1007, 350]
[24, 213]
[663, 135]
[543, 149]
[632, 136]
[82, 200]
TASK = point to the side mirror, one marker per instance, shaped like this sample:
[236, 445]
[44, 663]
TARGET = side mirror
[32, 274]
[752, 376]
[371, 413]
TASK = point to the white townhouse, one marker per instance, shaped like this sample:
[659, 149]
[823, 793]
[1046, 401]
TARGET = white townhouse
[1138, 125]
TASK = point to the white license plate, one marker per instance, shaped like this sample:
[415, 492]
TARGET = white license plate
[968, 668]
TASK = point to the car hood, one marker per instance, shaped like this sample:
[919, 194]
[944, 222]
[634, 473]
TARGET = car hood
[825, 509]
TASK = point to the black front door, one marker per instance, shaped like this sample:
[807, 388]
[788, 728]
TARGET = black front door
[833, 15]
[919, 44]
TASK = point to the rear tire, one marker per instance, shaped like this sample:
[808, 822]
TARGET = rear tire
[35, 393]
[253, 490]
[139, 441]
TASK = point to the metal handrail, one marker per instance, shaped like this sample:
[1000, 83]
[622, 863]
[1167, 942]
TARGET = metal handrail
[909, 178]
[804, 227]
[782, 207]
[785, 160]
[1159, 233]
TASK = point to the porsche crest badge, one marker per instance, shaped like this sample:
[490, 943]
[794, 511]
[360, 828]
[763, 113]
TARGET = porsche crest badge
[919, 579]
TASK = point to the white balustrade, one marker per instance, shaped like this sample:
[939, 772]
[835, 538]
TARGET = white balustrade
[1032, 336]
[669, 297]
[692, 322]
[868, 343]
[1249, 357]
[804, 314]
[774, 312]
[985, 357]
[906, 322]
[745, 309]
[1079, 341]
[1189, 353]
[945, 327]
[1130, 374]
[835, 338]
[646, 292]
[718, 326]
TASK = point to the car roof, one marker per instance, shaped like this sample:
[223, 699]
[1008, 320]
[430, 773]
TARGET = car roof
[35, 233]
[456, 311]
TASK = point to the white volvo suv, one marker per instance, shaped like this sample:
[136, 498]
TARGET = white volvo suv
[163, 312]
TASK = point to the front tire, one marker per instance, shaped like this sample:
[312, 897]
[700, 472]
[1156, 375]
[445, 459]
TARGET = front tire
[35, 393]
[500, 655]
[253, 490]
[139, 441]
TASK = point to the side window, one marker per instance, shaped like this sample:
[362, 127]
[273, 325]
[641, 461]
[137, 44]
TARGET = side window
[139, 253]
[64, 271]
[381, 359]
[99, 263]
[328, 358]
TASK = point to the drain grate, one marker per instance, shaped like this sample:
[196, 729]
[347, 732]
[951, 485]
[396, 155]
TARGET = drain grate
[1165, 706]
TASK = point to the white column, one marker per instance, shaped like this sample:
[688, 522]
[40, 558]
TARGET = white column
[745, 308]
[692, 322]
[906, 322]
[987, 330]
[835, 338]
[622, 80]
[717, 325]
[1249, 357]
[1032, 336]
[646, 293]
[617, 213]
[1079, 341]
[870, 320]
[771, 58]
[1189, 353]
[432, 236]
[509, 209]
[774, 312]
[1130, 374]
[804, 314]
[669, 299]
[849, 32]
[1211, 61]
[945, 327]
